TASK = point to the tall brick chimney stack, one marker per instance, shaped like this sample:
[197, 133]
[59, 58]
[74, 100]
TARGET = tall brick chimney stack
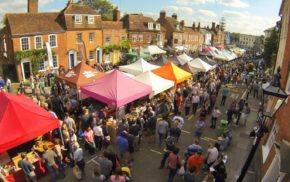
[32, 6]
[213, 26]
[116, 14]
[193, 26]
[162, 14]
[198, 26]
[174, 15]
[182, 23]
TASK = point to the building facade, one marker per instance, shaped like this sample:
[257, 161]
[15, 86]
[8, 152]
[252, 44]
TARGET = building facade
[143, 30]
[276, 144]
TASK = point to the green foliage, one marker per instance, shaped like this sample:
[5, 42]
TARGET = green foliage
[271, 48]
[125, 47]
[35, 55]
[104, 7]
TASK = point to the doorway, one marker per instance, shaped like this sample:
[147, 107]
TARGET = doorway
[99, 55]
[72, 59]
[26, 69]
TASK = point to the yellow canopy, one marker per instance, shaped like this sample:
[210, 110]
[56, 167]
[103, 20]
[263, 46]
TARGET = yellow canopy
[172, 72]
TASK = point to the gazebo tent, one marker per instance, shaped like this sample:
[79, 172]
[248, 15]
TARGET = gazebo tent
[153, 50]
[138, 67]
[160, 61]
[116, 89]
[22, 120]
[200, 66]
[184, 58]
[175, 60]
[208, 60]
[172, 72]
[157, 83]
[80, 75]
[187, 68]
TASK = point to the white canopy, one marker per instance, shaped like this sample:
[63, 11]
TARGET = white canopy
[184, 58]
[157, 83]
[138, 67]
[199, 65]
[180, 48]
[128, 74]
[153, 49]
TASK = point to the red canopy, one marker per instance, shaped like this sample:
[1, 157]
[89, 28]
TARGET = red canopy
[22, 120]
[80, 75]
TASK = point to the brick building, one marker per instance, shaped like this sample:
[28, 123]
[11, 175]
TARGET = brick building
[143, 30]
[276, 144]
[192, 37]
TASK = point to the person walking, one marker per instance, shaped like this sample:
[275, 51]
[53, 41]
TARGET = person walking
[211, 154]
[195, 103]
[215, 114]
[49, 160]
[78, 156]
[187, 104]
[170, 145]
[2, 83]
[162, 129]
[98, 136]
[27, 168]
[239, 110]
[245, 113]
[122, 145]
[225, 93]
[174, 163]
[199, 125]
[105, 164]
[8, 85]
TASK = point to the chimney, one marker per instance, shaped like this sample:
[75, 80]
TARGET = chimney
[162, 14]
[116, 14]
[182, 23]
[32, 6]
[207, 27]
[198, 26]
[213, 26]
[218, 26]
[174, 15]
[193, 26]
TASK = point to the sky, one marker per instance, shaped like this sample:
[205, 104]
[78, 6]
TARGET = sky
[243, 16]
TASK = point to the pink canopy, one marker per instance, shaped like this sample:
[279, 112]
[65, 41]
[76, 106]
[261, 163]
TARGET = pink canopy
[116, 89]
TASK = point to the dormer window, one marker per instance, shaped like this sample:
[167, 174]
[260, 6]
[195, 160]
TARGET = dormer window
[157, 26]
[91, 19]
[78, 19]
[177, 27]
[150, 26]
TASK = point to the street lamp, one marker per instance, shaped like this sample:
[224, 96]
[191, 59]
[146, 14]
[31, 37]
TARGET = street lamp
[272, 100]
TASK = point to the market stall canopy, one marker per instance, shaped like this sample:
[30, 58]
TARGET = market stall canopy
[116, 89]
[175, 60]
[199, 65]
[184, 58]
[208, 60]
[187, 68]
[180, 48]
[153, 50]
[138, 67]
[172, 72]
[157, 83]
[22, 120]
[162, 60]
[80, 75]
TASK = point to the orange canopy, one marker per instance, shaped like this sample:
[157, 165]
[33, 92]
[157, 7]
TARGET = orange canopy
[80, 75]
[172, 72]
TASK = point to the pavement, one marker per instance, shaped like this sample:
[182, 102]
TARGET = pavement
[147, 160]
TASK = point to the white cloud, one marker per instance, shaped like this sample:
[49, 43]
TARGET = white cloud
[230, 3]
[233, 3]
[206, 13]
[187, 11]
[230, 14]
[16, 6]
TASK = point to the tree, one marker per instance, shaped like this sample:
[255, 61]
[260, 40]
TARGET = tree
[271, 48]
[223, 23]
[104, 7]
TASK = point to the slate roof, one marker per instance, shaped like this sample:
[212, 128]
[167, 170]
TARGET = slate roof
[112, 25]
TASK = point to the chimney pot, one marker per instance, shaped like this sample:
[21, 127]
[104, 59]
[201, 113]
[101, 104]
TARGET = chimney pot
[182, 23]
[162, 14]
[213, 26]
[193, 26]
[174, 15]
[32, 6]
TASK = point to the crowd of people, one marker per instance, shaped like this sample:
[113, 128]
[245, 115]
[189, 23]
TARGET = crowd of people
[95, 128]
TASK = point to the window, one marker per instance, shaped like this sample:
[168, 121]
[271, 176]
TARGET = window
[41, 65]
[91, 19]
[157, 26]
[108, 40]
[24, 43]
[78, 19]
[271, 139]
[52, 39]
[92, 37]
[150, 26]
[79, 36]
[92, 55]
[134, 38]
[38, 42]
[140, 38]
[55, 61]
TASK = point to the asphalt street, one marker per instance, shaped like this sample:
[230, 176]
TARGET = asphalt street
[145, 167]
